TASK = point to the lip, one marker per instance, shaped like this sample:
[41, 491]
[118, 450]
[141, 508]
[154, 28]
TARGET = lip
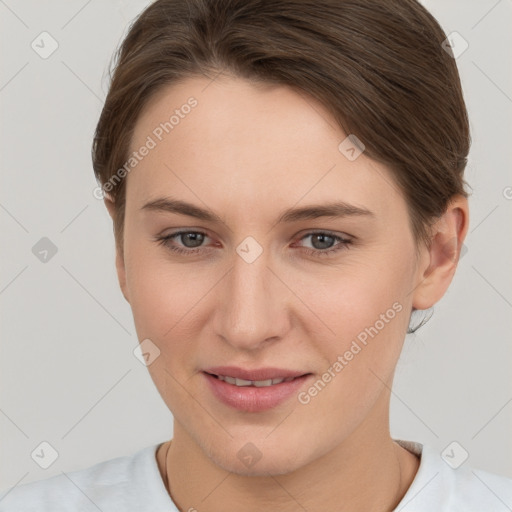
[251, 398]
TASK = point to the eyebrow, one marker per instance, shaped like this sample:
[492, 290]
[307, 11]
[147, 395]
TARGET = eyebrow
[332, 209]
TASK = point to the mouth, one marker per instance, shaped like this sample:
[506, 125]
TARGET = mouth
[254, 390]
[256, 383]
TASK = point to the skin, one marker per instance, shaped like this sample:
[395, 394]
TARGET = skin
[247, 152]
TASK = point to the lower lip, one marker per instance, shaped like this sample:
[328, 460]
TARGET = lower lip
[252, 398]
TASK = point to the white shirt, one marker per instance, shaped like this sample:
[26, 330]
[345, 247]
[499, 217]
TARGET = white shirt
[132, 483]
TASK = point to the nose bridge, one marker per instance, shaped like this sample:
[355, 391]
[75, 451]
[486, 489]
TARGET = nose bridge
[253, 307]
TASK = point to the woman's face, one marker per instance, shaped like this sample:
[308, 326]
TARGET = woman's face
[265, 282]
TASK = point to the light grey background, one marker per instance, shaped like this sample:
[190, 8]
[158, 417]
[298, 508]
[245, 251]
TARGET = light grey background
[68, 375]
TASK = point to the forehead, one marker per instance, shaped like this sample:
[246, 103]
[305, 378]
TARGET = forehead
[246, 143]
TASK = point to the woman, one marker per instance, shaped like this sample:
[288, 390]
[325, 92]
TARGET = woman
[285, 180]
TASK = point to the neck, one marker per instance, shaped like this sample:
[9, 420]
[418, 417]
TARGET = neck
[367, 471]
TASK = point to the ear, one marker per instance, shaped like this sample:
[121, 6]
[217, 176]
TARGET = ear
[438, 263]
[120, 266]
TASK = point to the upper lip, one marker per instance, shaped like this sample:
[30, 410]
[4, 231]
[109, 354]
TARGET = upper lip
[254, 374]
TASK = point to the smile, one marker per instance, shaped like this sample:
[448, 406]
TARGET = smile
[255, 383]
[267, 388]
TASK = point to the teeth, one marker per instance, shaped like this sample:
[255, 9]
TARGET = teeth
[264, 383]
[242, 382]
[255, 383]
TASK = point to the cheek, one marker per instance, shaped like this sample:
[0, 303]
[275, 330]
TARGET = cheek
[364, 308]
[355, 296]
[169, 303]
[159, 292]
[164, 300]
[369, 326]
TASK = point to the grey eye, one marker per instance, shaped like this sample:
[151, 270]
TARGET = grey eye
[191, 239]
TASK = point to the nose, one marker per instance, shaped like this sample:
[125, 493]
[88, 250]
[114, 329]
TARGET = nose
[253, 306]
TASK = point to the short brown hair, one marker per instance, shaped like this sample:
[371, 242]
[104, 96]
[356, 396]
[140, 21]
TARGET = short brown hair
[377, 65]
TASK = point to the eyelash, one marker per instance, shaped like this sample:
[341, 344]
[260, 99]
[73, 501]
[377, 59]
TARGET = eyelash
[344, 243]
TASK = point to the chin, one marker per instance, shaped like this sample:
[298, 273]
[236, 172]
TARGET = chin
[249, 461]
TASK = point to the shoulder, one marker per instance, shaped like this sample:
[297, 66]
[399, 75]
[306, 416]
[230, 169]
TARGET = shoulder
[453, 486]
[114, 484]
[475, 489]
